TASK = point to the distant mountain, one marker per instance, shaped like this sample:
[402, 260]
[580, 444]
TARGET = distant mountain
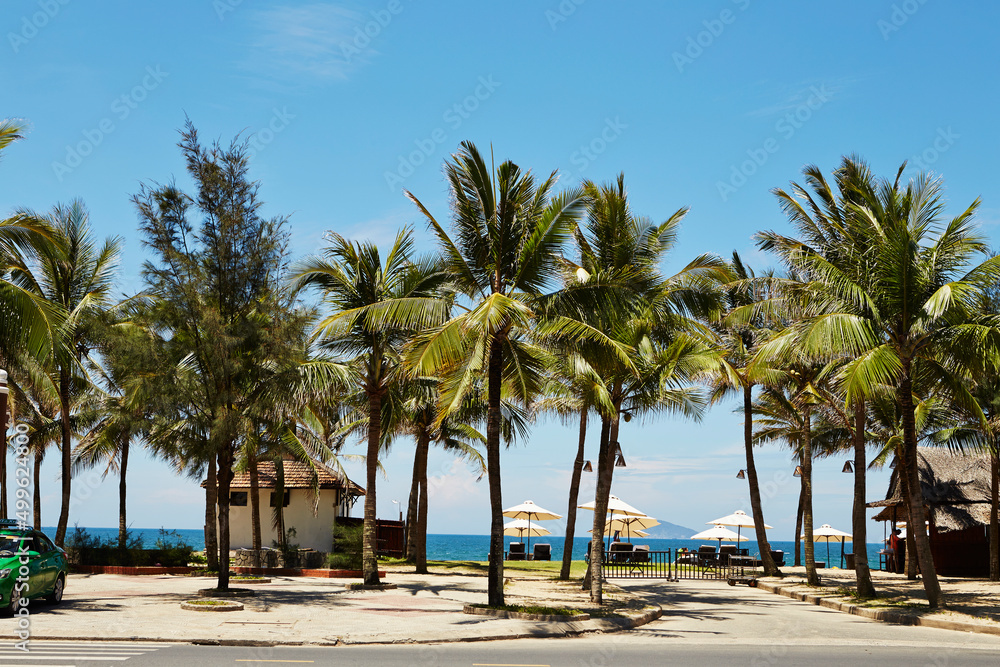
[670, 531]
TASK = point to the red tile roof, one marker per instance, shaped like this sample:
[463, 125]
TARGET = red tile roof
[298, 475]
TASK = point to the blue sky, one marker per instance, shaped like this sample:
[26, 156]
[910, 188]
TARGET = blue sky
[707, 104]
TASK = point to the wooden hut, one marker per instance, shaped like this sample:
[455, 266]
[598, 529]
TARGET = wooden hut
[956, 491]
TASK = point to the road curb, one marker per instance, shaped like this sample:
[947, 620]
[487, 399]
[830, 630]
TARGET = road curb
[883, 615]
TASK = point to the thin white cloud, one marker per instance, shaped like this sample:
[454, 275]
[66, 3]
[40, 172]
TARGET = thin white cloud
[316, 41]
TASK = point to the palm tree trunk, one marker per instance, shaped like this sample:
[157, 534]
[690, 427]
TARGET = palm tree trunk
[225, 473]
[494, 586]
[798, 523]
[910, 563]
[211, 534]
[418, 524]
[574, 493]
[915, 526]
[369, 549]
[994, 503]
[421, 527]
[865, 588]
[279, 503]
[122, 522]
[812, 578]
[67, 470]
[36, 492]
[411, 508]
[594, 579]
[770, 569]
[255, 527]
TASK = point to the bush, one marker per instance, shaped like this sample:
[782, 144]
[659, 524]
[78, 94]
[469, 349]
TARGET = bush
[346, 547]
[82, 548]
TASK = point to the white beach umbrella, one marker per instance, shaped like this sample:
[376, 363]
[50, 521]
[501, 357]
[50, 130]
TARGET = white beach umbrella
[827, 533]
[629, 524]
[520, 526]
[739, 518]
[615, 506]
[531, 512]
[635, 533]
[720, 533]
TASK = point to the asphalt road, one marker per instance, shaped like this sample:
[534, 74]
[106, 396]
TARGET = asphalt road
[703, 624]
[591, 651]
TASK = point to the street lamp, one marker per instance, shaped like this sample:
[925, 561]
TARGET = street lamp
[742, 474]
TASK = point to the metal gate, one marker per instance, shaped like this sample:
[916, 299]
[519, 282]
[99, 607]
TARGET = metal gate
[642, 564]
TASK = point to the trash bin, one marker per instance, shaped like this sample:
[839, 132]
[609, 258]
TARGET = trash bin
[850, 561]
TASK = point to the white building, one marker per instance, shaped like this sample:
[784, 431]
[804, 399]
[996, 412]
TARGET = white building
[314, 496]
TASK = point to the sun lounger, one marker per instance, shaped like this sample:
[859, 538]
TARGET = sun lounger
[726, 552]
[517, 551]
[620, 552]
[542, 552]
[640, 556]
[707, 556]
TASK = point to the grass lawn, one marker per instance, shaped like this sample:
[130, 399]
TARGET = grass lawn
[549, 567]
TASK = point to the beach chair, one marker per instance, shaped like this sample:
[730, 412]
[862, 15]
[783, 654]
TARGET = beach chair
[542, 552]
[640, 557]
[517, 551]
[707, 556]
[620, 552]
[725, 552]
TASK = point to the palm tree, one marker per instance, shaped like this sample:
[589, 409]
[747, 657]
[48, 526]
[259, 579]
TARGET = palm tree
[778, 416]
[28, 322]
[570, 394]
[508, 231]
[72, 273]
[374, 307]
[739, 333]
[455, 433]
[914, 306]
[622, 250]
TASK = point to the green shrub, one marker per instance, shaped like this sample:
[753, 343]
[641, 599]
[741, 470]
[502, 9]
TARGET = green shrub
[85, 549]
[346, 553]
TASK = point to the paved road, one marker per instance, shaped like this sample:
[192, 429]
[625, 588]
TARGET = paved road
[703, 624]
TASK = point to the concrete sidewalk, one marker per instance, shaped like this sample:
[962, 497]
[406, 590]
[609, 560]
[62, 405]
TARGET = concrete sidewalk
[302, 610]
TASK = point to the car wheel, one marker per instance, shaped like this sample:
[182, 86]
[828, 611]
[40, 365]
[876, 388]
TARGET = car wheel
[15, 598]
[55, 597]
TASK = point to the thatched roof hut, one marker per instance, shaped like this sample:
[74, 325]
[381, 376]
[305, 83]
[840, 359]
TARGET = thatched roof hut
[956, 489]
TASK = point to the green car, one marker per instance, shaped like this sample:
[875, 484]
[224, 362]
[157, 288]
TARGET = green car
[30, 566]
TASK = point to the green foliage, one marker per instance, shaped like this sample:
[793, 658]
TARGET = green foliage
[346, 553]
[289, 551]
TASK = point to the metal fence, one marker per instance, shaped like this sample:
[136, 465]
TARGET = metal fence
[642, 564]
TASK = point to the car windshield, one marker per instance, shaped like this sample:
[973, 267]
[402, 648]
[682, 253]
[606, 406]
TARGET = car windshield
[9, 542]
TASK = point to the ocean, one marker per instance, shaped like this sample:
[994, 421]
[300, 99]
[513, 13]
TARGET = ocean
[476, 547]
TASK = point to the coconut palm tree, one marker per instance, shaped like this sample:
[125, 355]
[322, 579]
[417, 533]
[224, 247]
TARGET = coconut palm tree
[374, 306]
[745, 324]
[623, 250]
[914, 306]
[75, 275]
[455, 433]
[508, 231]
[570, 395]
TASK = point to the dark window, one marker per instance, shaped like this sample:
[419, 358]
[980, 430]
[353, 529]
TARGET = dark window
[43, 543]
[238, 498]
[274, 498]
